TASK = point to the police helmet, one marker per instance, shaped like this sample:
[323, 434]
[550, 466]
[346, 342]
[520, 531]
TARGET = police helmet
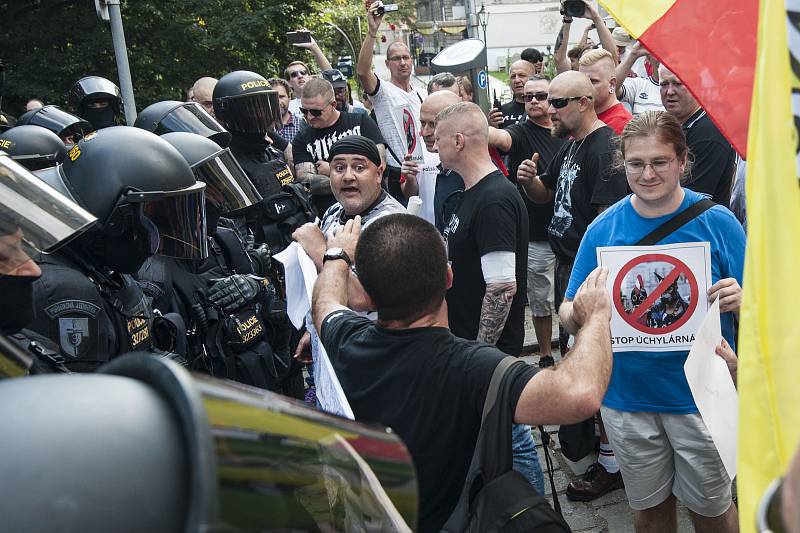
[94, 88]
[228, 188]
[246, 104]
[171, 116]
[33, 147]
[128, 177]
[66, 125]
[44, 218]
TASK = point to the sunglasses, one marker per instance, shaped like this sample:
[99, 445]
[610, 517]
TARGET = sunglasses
[558, 103]
[313, 112]
[296, 73]
[540, 97]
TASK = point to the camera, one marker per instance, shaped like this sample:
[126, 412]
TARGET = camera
[573, 8]
[381, 9]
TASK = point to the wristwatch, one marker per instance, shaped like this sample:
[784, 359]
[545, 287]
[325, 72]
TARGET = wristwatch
[337, 253]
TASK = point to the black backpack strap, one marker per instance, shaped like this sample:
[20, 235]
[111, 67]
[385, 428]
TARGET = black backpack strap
[549, 462]
[684, 217]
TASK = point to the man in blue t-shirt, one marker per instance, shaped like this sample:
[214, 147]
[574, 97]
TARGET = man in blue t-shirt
[662, 445]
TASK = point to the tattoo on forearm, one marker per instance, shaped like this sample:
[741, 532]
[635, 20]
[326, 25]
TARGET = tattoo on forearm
[494, 311]
[560, 38]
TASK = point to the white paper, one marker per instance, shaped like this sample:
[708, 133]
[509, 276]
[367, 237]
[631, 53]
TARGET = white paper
[300, 276]
[713, 389]
[408, 126]
[658, 294]
[414, 206]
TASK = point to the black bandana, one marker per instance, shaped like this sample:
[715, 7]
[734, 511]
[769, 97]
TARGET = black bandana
[356, 145]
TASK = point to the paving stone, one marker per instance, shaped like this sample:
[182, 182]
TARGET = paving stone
[619, 517]
[561, 481]
[579, 515]
[615, 496]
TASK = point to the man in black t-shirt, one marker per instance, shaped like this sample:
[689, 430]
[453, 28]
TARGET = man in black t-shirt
[326, 124]
[520, 141]
[713, 157]
[409, 372]
[580, 178]
[513, 111]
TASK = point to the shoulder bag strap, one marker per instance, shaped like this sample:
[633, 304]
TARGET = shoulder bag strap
[685, 216]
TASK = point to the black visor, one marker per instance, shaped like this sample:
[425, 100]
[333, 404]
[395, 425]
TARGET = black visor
[228, 188]
[255, 113]
[34, 218]
[180, 217]
[192, 118]
[60, 122]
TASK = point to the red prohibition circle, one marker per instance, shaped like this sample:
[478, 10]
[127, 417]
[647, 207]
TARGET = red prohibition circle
[650, 258]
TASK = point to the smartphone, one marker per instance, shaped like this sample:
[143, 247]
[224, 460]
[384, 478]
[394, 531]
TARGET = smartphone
[298, 37]
[496, 103]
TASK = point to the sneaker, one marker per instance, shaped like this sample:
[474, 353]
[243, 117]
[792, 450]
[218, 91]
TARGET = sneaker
[546, 360]
[594, 483]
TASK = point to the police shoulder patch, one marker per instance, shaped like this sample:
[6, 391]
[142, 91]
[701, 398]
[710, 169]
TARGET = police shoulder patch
[72, 306]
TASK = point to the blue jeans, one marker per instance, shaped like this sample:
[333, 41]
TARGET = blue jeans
[526, 460]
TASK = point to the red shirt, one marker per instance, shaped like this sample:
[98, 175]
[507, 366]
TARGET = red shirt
[616, 117]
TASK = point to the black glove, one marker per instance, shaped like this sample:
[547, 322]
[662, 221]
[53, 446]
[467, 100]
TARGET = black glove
[235, 291]
[261, 258]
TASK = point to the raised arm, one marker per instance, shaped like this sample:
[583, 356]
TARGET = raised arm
[603, 33]
[562, 43]
[636, 51]
[500, 139]
[573, 390]
[369, 81]
[319, 57]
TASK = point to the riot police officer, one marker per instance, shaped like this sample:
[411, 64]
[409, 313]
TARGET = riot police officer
[173, 116]
[67, 126]
[236, 329]
[249, 109]
[147, 201]
[33, 147]
[97, 100]
[33, 219]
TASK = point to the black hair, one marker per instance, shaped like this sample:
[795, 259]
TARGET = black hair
[532, 55]
[402, 264]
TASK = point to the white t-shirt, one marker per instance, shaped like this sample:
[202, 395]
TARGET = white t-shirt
[390, 103]
[427, 185]
[294, 107]
[640, 95]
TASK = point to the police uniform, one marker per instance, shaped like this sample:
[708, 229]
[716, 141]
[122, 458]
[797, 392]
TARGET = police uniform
[91, 317]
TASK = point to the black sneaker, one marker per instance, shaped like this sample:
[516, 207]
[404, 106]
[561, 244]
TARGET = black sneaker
[546, 361]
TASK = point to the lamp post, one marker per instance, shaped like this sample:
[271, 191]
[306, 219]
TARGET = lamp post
[483, 20]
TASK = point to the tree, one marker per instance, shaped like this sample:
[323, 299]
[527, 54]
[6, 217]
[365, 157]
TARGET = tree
[49, 44]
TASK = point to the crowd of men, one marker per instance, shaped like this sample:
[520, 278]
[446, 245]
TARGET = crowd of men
[160, 238]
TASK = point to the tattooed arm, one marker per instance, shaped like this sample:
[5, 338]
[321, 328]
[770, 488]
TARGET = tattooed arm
[307, 173]
[494, 310]
[560, 53]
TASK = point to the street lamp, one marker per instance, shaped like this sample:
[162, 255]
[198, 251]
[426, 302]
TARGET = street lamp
[483, 20]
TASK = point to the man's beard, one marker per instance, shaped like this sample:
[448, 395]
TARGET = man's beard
[559, 130]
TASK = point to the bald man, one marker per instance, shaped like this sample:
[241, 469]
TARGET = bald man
[392, 100]
[203, 93]
[486, 233]
[599, 66]
[430, 181]
[513, 111]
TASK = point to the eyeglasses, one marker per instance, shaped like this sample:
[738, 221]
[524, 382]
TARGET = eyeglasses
[400, 58]
[540, 97]
[313, 112]
[296, 73]
[635, 168]
[558, 103]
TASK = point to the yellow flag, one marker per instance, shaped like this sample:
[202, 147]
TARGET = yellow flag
[769, 340]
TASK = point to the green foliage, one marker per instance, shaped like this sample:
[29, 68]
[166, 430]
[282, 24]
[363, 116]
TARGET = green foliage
[49, 44]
